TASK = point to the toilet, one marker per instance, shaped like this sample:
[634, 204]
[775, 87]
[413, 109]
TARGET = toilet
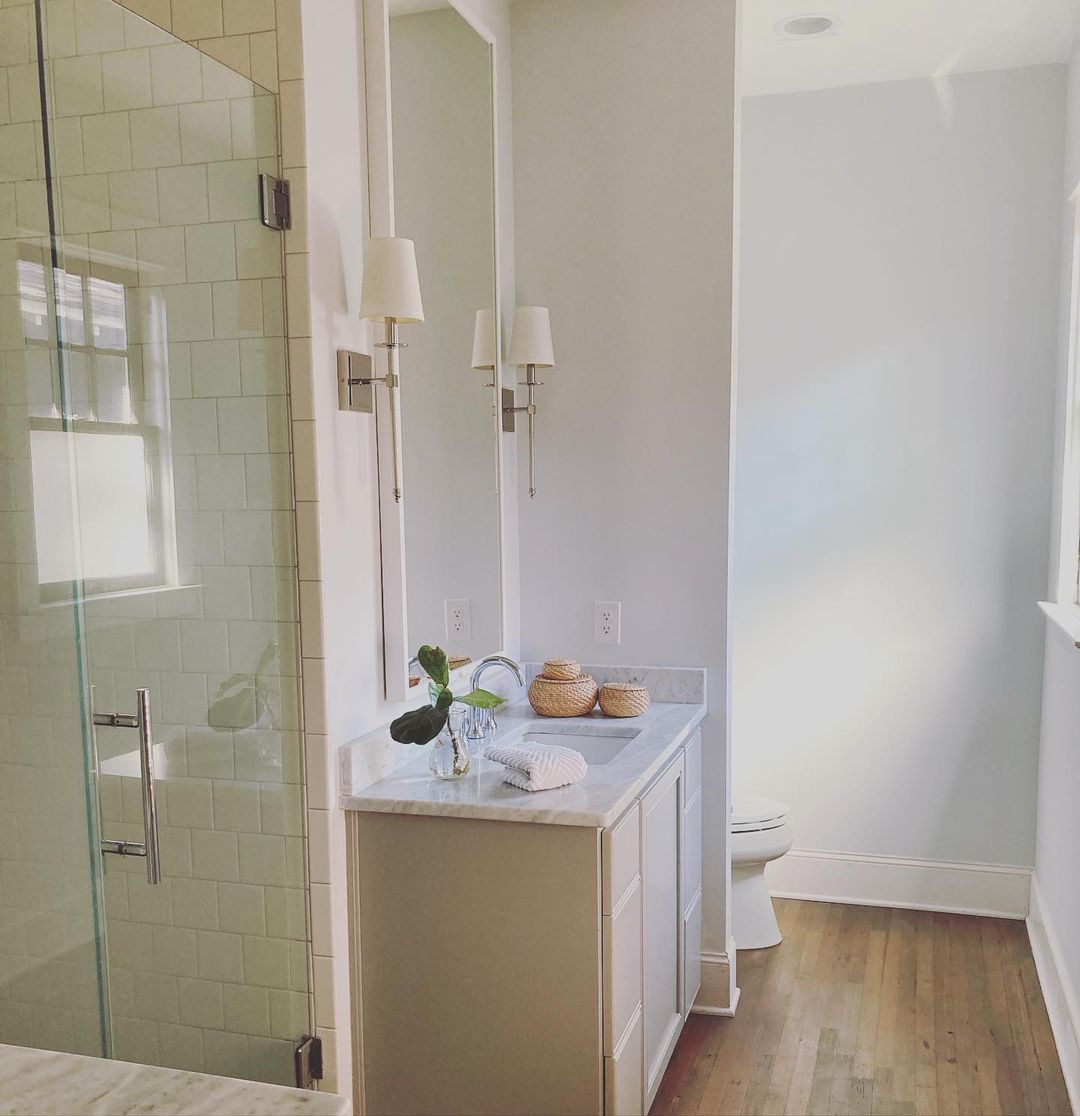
[760, 832]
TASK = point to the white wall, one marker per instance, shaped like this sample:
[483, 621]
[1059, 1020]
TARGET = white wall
[1058, 836]
[900, 248]
[623, 161]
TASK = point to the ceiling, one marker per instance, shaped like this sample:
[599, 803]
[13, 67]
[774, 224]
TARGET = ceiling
[889, 40]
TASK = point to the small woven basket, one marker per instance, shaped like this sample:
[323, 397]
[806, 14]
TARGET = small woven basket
[623, 699]
[554, 697]
[561, 670]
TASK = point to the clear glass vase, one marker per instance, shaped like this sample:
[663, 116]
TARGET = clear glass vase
[449, 757]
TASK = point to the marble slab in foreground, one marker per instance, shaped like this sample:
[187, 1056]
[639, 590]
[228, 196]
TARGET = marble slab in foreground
[46, 1083]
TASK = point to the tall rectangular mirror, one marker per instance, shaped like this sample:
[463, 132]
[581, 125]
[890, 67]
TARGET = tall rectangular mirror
[441, 86]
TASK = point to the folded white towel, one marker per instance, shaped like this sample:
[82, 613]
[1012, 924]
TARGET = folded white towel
[536, 767]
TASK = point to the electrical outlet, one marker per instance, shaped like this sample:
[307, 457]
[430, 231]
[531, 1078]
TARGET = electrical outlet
[607, 621]
[458, 619]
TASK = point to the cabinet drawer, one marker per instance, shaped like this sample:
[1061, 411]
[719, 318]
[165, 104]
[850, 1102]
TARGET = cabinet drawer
[691, 954]
[623, 1086]
[693, 766]
[622, 966]
[690, 851]
[621, 857]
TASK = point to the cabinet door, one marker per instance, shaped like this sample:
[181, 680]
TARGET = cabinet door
[622, 1075]
[661, 811]
[690, 875]
[691, 953]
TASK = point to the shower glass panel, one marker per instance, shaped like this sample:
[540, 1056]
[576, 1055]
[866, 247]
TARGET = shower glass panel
[147, 544]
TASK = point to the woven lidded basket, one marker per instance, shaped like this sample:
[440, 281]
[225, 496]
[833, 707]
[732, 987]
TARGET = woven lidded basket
[623, 699]
[553, 697]
[561, 670]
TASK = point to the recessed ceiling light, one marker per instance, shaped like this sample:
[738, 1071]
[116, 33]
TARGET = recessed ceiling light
[805, 26]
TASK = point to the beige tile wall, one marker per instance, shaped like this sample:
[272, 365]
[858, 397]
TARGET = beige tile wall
[202, 960]
[255, 19]
[48, 987]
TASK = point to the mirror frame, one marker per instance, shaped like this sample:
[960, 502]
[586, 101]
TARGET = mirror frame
[379, 144]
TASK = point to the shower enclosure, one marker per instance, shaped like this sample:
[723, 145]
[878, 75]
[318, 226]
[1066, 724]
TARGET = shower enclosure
[153, 902]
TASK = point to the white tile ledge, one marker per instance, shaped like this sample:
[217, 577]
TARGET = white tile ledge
[46, 1083]
[1066, 618]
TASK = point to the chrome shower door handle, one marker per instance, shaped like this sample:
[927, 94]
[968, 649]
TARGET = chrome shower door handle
[150, 846]
[149, 802]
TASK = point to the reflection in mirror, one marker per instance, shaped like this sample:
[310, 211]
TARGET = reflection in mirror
[441, 98]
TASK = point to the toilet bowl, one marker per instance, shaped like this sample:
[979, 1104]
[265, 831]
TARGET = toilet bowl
[760, 832]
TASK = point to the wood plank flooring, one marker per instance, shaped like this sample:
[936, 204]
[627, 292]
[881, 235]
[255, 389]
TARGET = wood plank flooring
[876, 1011]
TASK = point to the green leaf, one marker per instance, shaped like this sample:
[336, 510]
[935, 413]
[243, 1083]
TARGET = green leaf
[433, 660]
[482, 699]
[418, 726]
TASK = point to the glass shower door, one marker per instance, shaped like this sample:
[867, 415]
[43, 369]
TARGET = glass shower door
[151, 455]
[52, 981]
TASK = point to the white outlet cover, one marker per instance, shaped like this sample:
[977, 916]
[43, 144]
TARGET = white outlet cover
[607, 622]
[458, 618]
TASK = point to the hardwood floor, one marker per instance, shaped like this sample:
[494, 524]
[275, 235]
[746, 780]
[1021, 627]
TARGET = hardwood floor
[876, 1011]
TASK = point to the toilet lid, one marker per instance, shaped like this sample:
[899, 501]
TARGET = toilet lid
[750, 813]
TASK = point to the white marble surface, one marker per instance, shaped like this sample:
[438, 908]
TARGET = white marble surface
[597, 800]
[45, 1083]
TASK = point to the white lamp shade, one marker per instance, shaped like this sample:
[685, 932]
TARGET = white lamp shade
[483, 346]
[391, 290]
[530, 342]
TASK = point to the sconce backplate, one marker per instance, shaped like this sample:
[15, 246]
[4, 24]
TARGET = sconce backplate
[508, 404]
[354, 396]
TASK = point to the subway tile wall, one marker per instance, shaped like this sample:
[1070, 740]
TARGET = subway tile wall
[48, 970]
[156, 148]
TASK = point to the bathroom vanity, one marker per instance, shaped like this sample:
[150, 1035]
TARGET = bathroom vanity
[531, 953]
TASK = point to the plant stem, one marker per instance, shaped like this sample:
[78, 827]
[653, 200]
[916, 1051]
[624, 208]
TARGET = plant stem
[461, 761]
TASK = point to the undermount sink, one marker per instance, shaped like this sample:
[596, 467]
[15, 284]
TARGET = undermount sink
[598, 745]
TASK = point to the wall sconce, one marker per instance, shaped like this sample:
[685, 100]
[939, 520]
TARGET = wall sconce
[391, 295]
[531, 348]
[483, 360]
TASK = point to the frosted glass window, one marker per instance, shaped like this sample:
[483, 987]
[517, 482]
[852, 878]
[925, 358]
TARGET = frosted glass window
[90, 486]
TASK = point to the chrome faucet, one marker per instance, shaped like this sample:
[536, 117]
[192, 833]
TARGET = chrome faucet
[481, 722]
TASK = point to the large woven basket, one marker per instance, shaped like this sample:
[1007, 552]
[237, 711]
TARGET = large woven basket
[554, 697]
[623, 699]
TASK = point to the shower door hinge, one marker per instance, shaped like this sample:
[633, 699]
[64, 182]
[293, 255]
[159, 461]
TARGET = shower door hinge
[275, 202]
[307, 1058]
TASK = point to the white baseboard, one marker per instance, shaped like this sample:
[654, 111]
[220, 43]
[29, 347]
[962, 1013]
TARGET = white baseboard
[718, 994]
[999, 890]
[1062, 999]
[726, 1012]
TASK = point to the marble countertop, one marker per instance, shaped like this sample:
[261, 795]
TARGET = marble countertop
[46, 1083]
[598, 800]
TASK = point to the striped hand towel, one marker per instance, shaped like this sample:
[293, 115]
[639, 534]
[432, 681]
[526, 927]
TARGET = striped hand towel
[536, 767]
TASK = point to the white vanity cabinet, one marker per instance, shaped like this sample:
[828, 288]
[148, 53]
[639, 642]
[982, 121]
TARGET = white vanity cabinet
[521, 967]
[652, 931]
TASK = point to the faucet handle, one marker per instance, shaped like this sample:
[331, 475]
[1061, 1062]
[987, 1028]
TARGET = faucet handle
[481, 724]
